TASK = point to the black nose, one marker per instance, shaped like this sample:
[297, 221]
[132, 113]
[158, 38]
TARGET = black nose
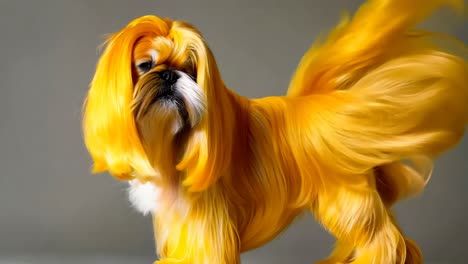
[169, 76]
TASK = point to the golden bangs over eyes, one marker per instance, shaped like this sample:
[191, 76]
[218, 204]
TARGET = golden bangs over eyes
[109, 128]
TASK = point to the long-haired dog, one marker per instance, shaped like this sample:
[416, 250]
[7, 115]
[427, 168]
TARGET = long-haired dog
[366, 113]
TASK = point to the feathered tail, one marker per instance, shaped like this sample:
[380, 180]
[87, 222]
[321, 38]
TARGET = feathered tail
[383, 93]
[379, 31]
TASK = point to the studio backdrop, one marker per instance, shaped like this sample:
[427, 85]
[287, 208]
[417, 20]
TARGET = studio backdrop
[50, 204]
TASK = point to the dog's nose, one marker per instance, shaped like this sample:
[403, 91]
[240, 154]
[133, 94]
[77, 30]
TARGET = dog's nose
[169, 76]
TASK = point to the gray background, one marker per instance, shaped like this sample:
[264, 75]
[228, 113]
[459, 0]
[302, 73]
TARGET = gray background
[53, 211]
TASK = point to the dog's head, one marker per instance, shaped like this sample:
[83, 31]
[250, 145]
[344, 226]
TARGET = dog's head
[155, 106]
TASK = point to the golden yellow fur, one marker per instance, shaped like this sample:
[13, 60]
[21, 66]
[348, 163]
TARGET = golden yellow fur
[366, 113]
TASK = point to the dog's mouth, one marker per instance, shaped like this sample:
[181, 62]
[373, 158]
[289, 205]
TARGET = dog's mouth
[158, 89]
[166, 93]
[170, 97]
[169, 91]
[165, 97]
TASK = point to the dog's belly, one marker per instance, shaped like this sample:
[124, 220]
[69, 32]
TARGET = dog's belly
[261, 229]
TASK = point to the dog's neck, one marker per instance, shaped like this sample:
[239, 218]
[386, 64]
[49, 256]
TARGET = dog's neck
[250, 124]
[242, 111]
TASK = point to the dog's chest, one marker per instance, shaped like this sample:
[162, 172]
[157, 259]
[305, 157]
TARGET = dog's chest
[144, 197]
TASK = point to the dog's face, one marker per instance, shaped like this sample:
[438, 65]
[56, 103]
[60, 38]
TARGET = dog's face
[153, 105]
[165, 88]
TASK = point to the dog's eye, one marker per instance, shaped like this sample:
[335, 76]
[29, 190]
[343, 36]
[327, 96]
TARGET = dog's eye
[145, 66]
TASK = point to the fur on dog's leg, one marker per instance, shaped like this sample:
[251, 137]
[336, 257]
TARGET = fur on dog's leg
[413, 252]
[408, 253]
[201, 231]
[356, 216]
[198, 242]
[342, 253]
[394, 181]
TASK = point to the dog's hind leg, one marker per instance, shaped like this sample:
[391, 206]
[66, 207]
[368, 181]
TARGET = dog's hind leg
[413, 252]
[357, 216]
[342, 253]
[394, 182]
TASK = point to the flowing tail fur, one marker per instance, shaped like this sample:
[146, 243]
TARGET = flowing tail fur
[384, 94]
[392, 94]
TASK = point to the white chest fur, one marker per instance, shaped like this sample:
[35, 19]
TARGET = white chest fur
[144, 197]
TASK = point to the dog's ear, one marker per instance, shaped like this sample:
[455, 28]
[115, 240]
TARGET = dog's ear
[208, 153]
[109, 129]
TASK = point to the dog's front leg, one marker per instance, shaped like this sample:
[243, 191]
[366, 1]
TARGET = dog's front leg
[202, 237]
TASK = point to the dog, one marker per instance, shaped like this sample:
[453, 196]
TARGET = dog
[366, 113]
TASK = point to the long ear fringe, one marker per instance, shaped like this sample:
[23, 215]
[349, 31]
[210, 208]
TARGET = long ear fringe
[109, 129]
[208, 154]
